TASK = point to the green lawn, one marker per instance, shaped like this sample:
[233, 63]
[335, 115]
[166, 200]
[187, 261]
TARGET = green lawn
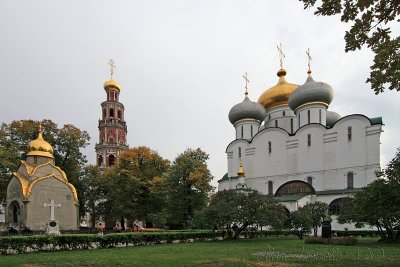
[219, 253]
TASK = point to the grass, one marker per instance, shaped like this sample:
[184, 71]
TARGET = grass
[218, 253]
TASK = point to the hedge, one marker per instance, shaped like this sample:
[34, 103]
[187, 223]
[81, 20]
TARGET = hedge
[22, 244]
[348, 240]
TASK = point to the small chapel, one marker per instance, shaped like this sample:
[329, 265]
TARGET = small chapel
[39, 196]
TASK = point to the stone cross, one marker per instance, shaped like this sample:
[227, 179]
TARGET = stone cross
[52, 206]
[309, 59]
[281, 55]
[247, 81]
[112, 67]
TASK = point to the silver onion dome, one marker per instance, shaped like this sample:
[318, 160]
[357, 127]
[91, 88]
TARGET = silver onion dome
[332, 117]
[247, 110]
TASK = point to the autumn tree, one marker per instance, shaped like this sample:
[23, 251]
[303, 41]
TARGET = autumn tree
[371, 21]
[235, 210]
[378, 204]
[188, 183]
[67, 143]
[308, 217]
[134, 188]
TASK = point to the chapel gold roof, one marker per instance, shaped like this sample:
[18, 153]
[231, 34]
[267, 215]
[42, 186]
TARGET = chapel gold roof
[241, 171]
[39, 147]
[277, 95]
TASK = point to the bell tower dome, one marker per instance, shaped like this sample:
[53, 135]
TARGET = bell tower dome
[112, 125]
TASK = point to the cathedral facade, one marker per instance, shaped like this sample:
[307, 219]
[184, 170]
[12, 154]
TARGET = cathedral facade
[291, 147]
[112, 126]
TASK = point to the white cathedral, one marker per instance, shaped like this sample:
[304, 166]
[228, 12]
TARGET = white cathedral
[289, 146]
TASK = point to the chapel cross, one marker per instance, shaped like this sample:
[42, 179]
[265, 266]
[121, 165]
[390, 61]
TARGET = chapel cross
[281, 55]
[52, 206]
[247, 81]
[309, 60]
[112, 67]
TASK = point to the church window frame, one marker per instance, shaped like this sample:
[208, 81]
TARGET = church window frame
[251, 131]
[309, 116]
[111, 160]
[299, 120]
[320, 116]
[337, 205]
[240, 152]
[350, 180]
[308, 139]
[269, 147]
[291, 125]
[349, 133]
[276, 123]
[283, 113]
[119, 114]
[269, 117]
[241, 131]
[270, 188]
[111, 113]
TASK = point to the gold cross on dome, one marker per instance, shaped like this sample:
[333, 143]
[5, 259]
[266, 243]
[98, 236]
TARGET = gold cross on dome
[309, 59]
[247, 82]
[112, 67]
[281, 54]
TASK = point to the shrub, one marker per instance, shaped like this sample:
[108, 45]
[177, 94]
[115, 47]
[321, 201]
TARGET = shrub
[348, 240]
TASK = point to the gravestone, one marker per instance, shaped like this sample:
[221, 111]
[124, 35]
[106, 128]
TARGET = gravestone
[326, 229]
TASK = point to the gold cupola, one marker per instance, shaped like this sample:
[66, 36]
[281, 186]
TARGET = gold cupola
[241, 171]
[39, 146]
[112, 83]
[279, 94]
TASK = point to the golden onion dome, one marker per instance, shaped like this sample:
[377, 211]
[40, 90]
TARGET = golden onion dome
[112, 84]
[39, 147]
[277, 95]
[241, 171]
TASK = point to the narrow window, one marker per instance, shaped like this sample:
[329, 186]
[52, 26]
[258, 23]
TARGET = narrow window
[119, 114]
[299, 120]
[241, 131]
[240, 152]
[309, 180]
[309, 139]
[269, 147]
[283, 113]
[269, 117]
[276, 123]
[308, 116]
[251, 131]
[104, 113]
[349, 133]
[111, 160]
[111, 113]
[350, 180]
[291, 125]
[270, 188]
[320, 117]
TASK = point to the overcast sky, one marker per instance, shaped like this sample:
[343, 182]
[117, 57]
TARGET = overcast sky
[180, 66]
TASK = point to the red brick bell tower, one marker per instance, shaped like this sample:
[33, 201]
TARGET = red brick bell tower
[112, 125]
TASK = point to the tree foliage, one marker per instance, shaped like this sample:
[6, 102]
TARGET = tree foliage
[134, 188]
[378, 204]
[67, 143]
[308, 217]
[188, 183]
[234, 211]
[371, 27]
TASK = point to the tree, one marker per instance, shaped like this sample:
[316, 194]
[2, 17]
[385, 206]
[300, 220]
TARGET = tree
[235, 210]
[134, 188]
[378, 204]
[188, 183]
[308, 217]
[371, 20]
[66, 141]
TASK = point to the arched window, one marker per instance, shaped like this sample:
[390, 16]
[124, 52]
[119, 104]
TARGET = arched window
[240, 152]
[320, 116]
[269, 147]
[111, 113]
[309, 116]
[111, 160]
[349, 133]
[337, 205]
[99, 160]
[350, 180]
[283, 113]
[15, 211]
[291, 125]
[309, 139]
[276, 123]
[309, 180]
[270, 188]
